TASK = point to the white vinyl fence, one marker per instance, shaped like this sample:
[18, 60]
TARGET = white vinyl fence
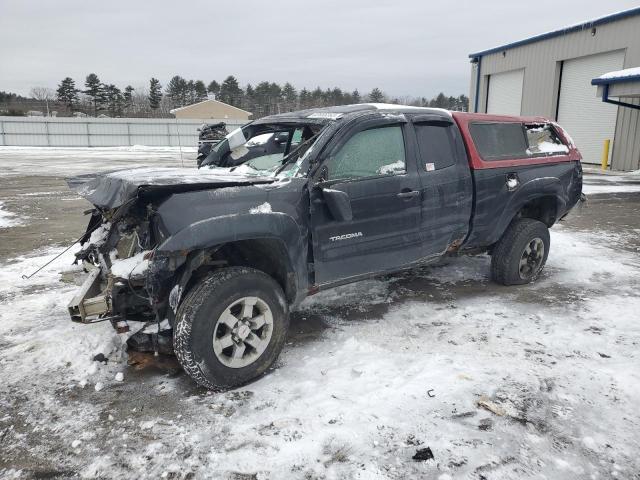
[102, 132]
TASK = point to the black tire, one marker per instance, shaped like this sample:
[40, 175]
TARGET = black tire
[510, 250]
[200, 310]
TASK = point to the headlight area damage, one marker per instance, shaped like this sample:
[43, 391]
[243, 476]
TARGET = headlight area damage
[130, 283]
[117, 251]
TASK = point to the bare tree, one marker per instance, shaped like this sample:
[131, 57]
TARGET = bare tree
[43, 94]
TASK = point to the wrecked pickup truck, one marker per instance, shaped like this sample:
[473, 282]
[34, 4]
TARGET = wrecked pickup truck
[213, 259]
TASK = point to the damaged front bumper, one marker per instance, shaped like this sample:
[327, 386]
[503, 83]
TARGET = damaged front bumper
[116, 297]
[128, 280]
[106, 297]
[91, 303]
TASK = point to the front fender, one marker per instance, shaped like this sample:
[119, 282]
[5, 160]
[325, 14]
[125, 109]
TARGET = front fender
[224, 229]
[228, 228]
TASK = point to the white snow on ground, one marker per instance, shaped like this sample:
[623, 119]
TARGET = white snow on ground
[405, 372]
[399, 364]
[610, 186]
[8, 219]
[64, 162]
[34, 343]
[598, 189]
[610, 183]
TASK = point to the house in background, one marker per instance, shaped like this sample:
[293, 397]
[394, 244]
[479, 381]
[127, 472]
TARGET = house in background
[211, 109]
[565, 75]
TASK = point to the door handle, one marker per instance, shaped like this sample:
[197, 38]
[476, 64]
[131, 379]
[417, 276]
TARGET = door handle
[406, 194]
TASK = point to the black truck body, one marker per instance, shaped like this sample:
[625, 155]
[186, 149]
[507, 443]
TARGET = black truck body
[454, 183]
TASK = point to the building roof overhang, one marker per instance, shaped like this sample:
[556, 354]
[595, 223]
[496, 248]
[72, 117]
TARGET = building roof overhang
[562, 31]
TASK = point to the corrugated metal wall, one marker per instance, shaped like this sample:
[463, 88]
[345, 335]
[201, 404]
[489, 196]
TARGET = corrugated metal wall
[626, 150]
[542, 62]
[101, 132]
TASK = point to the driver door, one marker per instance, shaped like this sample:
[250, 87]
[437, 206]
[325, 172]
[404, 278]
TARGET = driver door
[371, 165]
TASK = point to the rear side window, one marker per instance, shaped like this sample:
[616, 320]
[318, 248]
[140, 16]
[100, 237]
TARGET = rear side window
[498, 141]
[369, 153]
[543, 140]
[436, 146]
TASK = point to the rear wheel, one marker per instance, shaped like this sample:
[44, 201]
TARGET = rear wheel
[521, 253]
[231, 327]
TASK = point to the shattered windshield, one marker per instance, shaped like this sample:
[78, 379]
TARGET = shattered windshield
[264, 150]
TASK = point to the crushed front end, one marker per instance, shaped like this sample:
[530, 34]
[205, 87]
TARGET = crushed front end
[117, 251]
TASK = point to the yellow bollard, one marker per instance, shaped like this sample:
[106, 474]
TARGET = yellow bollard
[605, 154]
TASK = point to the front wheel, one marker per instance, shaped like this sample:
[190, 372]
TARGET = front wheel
[521, 253]
[231, 327]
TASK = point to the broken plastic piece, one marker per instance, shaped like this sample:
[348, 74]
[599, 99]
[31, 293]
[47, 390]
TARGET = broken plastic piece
[423, 454]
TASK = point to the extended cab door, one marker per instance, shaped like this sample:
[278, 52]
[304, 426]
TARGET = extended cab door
[368, 168]
[446, 184]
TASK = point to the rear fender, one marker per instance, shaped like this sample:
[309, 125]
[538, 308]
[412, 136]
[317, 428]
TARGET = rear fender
[526, 193]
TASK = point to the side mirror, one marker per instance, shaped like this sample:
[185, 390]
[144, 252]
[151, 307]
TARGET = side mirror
[281, 138]
[339, 204]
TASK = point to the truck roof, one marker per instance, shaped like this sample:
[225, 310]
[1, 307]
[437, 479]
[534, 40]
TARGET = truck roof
[490, 117]
[327, 114]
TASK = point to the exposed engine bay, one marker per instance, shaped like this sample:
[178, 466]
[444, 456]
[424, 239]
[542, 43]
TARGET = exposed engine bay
[116, 251]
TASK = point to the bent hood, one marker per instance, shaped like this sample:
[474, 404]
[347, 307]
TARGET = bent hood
[112, 189]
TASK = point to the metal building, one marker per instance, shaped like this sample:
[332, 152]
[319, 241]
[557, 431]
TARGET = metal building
[551, 75]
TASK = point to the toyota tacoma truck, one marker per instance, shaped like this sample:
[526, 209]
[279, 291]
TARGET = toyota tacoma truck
[212, 260]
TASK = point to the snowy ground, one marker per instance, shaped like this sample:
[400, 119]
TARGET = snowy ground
[371, 373]
[7, 219]
[74, 160]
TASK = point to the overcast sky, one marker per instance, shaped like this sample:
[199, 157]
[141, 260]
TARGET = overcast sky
[410, 47]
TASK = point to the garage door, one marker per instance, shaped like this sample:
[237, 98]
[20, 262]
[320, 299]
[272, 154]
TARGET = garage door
[586, 117]
[505, 93]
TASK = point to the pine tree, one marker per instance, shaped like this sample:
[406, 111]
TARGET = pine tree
[304, 98]
[128, 95]
[214, 87]
[230, 91]
[463, 103]
[355, 96]
[189, 95]
[176, 91]
[275, 98]
[316, 98]
[261, 95]
[326, 97]
[336, 97]
[102, 98]
[376, 96]
[290, 97]
[114, 100]
[93, 88]
[200, 91]
[155, 93]
[439, 102]
[67, 93]
[249, 99]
